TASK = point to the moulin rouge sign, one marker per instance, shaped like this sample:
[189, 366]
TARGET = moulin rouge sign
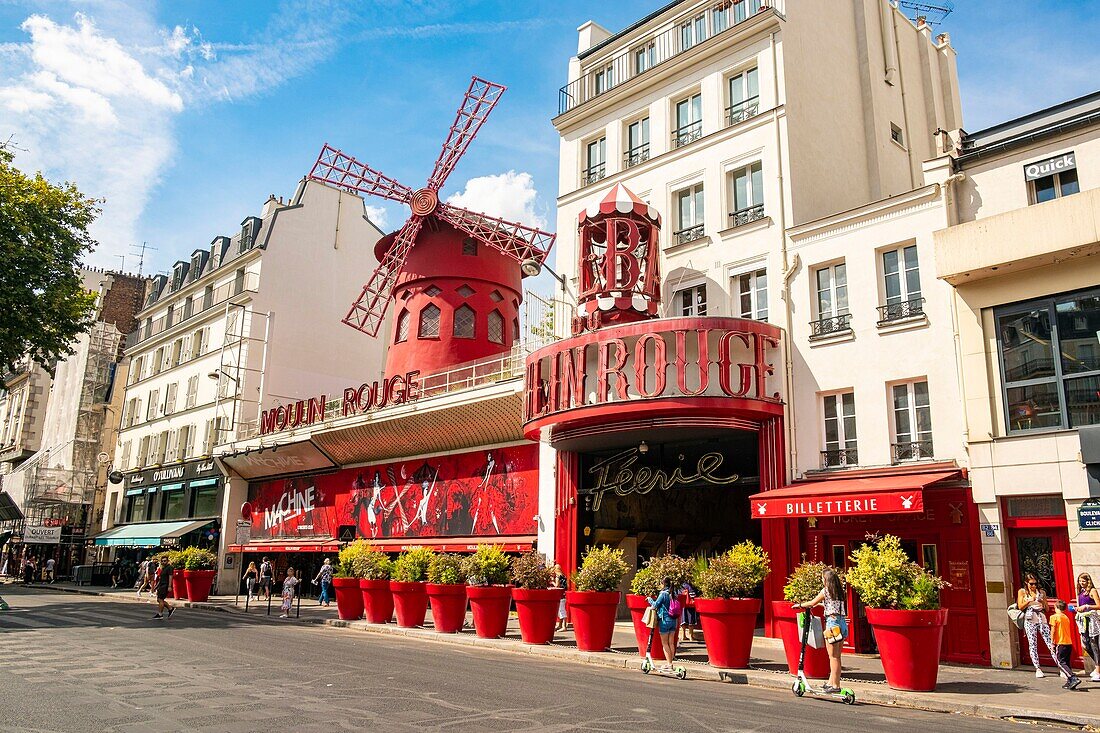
[369, 396]
[668, 358]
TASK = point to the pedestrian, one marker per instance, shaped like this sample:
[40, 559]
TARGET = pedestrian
[147, 577]
[1088, 621]
[324, 578]
[836, 623]
[51, 565]
[249, 577]
[267, 576]
[164, 582]
[1032, 600]
[28, 569]
[290, 587]
[691, 616]
[116, 572]
[1062, 634]
[667, 621]
[560, 581]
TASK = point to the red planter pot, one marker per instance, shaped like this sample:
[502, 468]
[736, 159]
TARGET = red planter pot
[538, 613]
[410, 601]
[786, 620]
[198, 584]
[593, 615]
[909, 645]
[637, 605]
[448, 606]
[728, 626]
[179, 585]
[489, 604]
[349, 603]
[377, 600]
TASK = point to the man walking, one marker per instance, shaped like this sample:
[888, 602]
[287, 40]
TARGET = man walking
[50, 565]
[164, 582]
[267, 576]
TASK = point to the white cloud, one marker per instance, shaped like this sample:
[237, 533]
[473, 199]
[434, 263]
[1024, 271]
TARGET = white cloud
[378, 216]
[510, 196]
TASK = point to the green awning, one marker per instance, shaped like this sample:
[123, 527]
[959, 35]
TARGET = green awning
[148, 534]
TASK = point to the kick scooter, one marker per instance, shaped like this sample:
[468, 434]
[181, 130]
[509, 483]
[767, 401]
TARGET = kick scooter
[679, 671]
[801, 685]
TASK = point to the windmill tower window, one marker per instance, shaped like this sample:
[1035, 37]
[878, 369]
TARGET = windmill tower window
[466, 291]
[429, 323]
[465, 319]
[469, 247]
[496, 327]
[403, 326]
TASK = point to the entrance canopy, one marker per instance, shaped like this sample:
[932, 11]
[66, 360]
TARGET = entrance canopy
[895, 494]
[319, 544]
[9, 511]
[148, 534]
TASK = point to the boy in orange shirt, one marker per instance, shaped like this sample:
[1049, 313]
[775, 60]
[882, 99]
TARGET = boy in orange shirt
[1062, 634]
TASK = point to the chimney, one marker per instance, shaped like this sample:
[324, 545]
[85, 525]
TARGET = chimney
[590, 34]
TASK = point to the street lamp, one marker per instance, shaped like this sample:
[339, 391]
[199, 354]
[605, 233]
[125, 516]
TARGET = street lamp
[532, 267]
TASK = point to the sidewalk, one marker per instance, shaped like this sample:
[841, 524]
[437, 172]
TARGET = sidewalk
[980, 691]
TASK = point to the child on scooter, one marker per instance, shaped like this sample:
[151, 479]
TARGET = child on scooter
[836, 625]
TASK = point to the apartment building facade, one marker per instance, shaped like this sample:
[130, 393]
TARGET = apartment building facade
[252, 322]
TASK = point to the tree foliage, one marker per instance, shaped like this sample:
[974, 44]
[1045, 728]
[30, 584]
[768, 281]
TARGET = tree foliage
[43, 236]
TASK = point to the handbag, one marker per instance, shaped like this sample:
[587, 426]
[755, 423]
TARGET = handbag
[649, 618]
[816, 638]
[1016, 616]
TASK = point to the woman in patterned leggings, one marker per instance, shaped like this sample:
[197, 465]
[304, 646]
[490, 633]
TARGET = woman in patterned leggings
[1032, 600]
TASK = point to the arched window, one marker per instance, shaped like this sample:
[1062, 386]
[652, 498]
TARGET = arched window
[515, 330]
[464, 322]
[429, 322]
[403, 326]
[495, 327]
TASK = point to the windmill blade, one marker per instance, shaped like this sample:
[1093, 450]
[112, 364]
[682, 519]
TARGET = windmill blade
[344, 171]
[518, 241]
[368, 312]
[479, 101]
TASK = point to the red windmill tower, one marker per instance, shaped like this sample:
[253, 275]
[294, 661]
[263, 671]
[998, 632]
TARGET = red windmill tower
[454, 274]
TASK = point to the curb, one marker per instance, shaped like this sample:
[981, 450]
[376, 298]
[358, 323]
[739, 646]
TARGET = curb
[754, 678]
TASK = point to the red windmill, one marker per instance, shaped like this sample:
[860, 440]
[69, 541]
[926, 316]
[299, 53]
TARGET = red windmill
[457, 301]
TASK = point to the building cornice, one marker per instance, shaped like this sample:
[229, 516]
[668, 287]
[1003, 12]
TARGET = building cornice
[867, 214]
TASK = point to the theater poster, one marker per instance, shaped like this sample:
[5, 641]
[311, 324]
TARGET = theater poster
[483, 493]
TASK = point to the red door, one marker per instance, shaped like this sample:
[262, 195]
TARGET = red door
[1043, 552]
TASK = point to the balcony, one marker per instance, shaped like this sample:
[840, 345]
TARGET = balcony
[687, 134]
[900, 311]
[689, 234]
[839, 457]
[641, 55]
[217, 297]
[636, 156]
[830, 326]
[912, 450]
[741, 217]
[593, 174]
[742, 111]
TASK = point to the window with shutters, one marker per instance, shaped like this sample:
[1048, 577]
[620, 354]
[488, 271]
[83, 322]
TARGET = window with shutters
[429, 322]
[124, 461]
[186, 442]
[464, 322]
[495, 323]
[171, 443]
[192, 392]
[170, 398]
[198, 343]
[158, 360]
[153, 405]
[143, 452]
[208, 438]
[176, 354]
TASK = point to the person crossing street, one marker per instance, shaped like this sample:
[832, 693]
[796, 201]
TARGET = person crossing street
[164, 582]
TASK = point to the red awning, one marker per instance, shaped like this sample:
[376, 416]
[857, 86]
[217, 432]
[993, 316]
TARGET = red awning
[321, 544]
[897, 494]
[395, 544]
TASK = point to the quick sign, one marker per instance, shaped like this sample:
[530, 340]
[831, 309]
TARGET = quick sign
[1088, 516]
[1050, 166]
[33, 535]
[882, 502]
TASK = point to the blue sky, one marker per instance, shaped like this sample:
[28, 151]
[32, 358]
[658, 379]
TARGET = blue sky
[185, 115]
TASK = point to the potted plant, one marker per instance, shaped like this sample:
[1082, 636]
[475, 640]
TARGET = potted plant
[447, 592]
[374, 569]
[646, 583]
[536, 601]
[727, 610]
[176, 559]
[350, 564]
[802, 585]
[410, 597]
[903, 608]
[198, 569]
[486, 572]
[595, 601]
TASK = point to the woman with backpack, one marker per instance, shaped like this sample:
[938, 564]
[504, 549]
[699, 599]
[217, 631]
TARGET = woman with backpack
[668, 618]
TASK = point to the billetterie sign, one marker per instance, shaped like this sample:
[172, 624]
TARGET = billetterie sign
[882, 502]
[369, 396]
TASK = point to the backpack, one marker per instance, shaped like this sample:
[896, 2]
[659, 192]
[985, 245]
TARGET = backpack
[674, 607]
[265, 568]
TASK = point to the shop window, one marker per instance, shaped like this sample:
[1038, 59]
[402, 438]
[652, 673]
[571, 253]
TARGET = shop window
[840, 557]
[912, 421]
[930, 558]
[206, 502]
[495, 327]
[751, 291]
[136, 507]
[691, 301]
[403, 326]
[1050, 362]
[174, 505]
[840, 430]
[429, 322]
[901, 285]
[464, 322]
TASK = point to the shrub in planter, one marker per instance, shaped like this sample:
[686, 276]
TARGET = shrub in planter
[356, 562]
[447, 592]
[410, 597]
[197, 569]
[903, 608]
[727, 612]
[178, 583]
[802, 585]
[647, 582]
[536, 602]
[486, 572]
[596, 599]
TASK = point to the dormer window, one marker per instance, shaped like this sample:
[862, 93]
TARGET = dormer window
[195, 270]
[249, 228]
[179, 272]
[217, 247]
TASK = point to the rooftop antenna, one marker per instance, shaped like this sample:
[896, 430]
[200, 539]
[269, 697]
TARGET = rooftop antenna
[122, 267]
[933, 13]
[141, 255]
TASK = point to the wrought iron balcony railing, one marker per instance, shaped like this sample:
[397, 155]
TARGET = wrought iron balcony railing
[687, 134]
[900, 311]
[637, 155]
[839, 457]
[742, 217]
[830, 325]
[742, 111]
[912, 450]
[593, 174]
[689, 234]
[231, 289]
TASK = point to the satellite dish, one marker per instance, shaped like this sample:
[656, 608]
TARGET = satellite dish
[104, 457]
[115, 477]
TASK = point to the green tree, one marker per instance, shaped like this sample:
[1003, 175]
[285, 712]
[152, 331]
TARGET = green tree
[43, 236]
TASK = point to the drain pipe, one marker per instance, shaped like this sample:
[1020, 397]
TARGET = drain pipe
[952, 220]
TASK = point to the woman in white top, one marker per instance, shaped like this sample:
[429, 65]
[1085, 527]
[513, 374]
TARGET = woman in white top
[836, 625]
